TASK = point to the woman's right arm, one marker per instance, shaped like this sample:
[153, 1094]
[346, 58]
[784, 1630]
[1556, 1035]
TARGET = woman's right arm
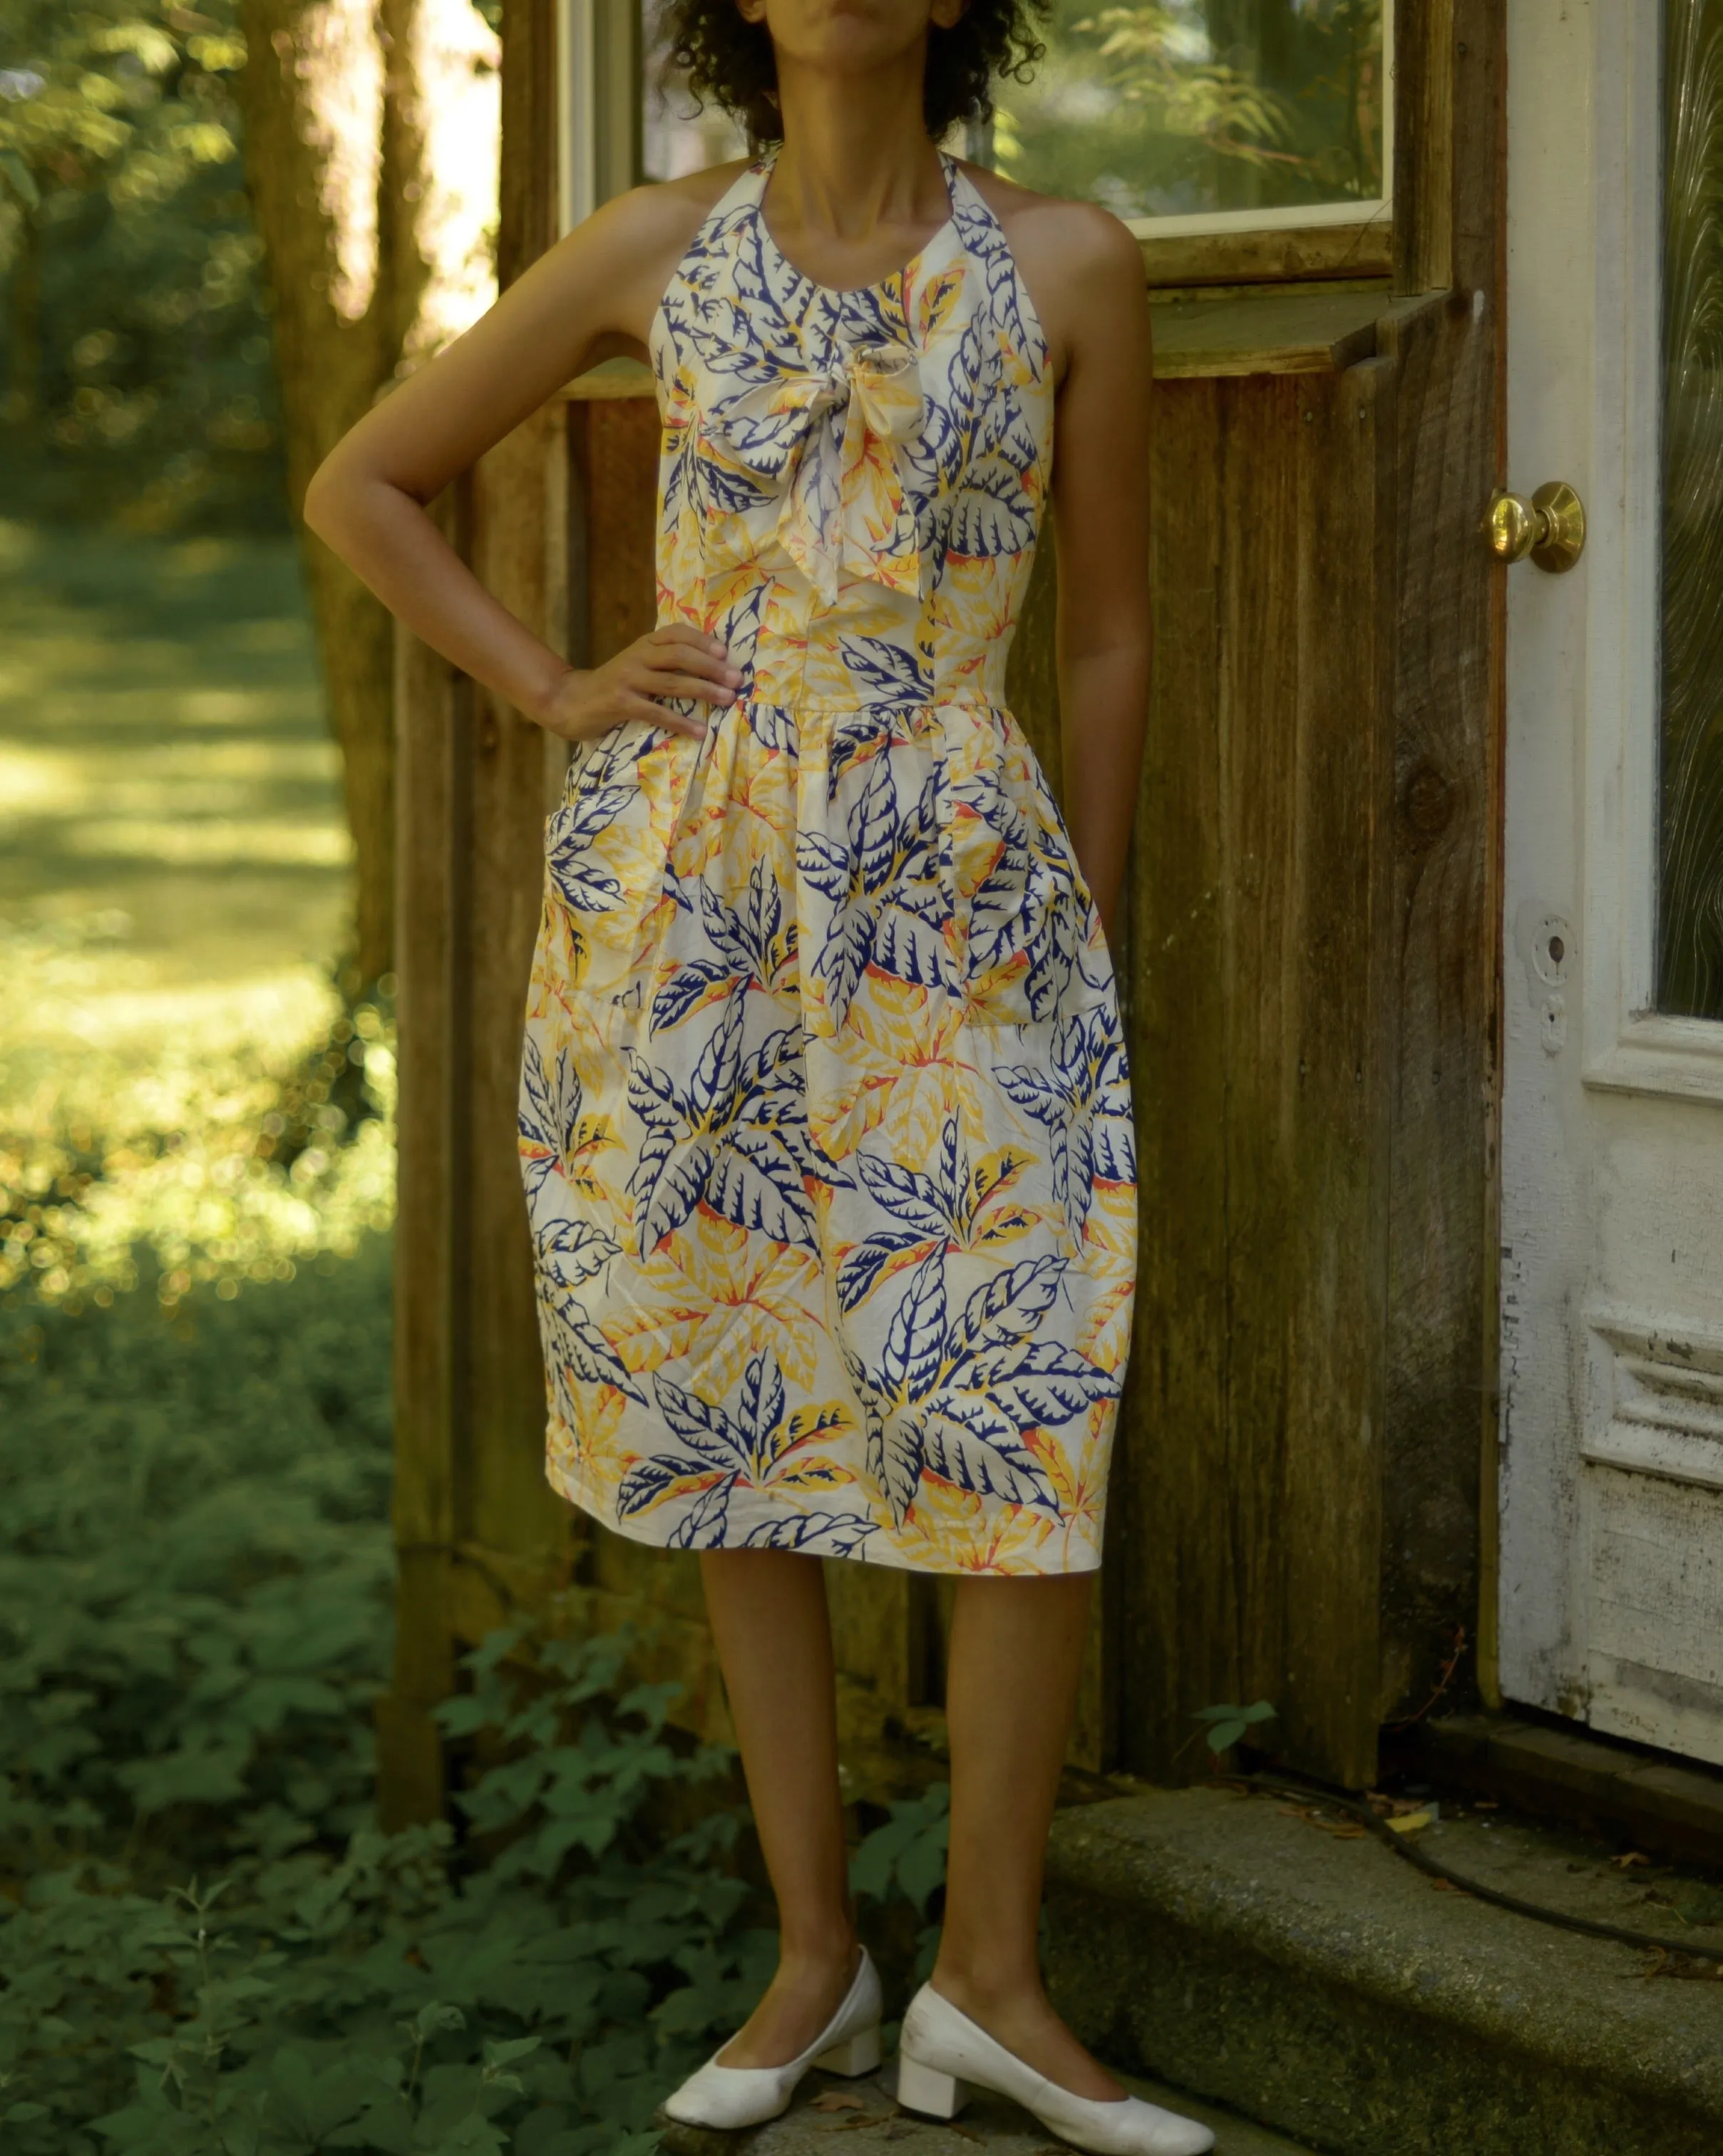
[591, 296]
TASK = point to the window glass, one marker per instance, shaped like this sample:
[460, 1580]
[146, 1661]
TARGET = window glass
[1215, 111]
[1257, 111]
[1690, 910]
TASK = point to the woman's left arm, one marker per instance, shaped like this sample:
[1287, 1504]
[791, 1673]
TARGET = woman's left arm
[1100, 510]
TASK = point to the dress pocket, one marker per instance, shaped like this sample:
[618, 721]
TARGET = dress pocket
[876, 892]
[607, 850]
[1025, 915]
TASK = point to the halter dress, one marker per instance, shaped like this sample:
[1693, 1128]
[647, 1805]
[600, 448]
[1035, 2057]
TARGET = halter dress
[825, 1116]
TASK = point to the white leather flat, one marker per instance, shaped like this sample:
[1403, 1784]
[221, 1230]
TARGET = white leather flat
[942, 2054]
[728, 2096]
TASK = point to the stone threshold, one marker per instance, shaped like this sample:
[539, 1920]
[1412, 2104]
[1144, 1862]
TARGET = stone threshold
[1281, 1962]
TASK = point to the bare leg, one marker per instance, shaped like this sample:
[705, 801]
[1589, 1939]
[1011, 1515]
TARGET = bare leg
[768, 1615]
[1017, 1653]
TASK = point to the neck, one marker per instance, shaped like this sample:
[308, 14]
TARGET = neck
[855, 155]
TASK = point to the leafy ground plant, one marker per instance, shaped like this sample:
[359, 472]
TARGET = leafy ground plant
[207, 1947]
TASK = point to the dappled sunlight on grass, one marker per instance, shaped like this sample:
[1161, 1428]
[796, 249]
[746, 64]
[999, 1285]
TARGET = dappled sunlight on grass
[163, 752]
[203, 1134]
[185, 1097]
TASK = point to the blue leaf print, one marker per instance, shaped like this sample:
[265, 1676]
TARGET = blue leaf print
[727, 490]
[887, 667]
[894, 1460]
[977, 1450]
[582, 881]
[702, 1526]
[571, 1252]
[717, 1072]
[648, 1480]
[820, 1534]
[756, 1182]
[737, 1140]
[773, 725]
[1026, 902]
[763, 1403]
[859, 1268]
[1082, 1099]
[992, 515]
[906, 1193]
[687, 987]
[1010, 1305]
[1041, 1384]
[915, 1338]
[1038, 1093]
[544, 1121]
[577, 1351]
[702, 1425]
[855, 736]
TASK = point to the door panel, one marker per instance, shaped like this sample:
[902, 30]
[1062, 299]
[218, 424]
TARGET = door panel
[1612, 1428]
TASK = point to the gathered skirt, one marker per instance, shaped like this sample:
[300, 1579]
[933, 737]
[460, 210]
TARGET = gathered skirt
[825, 1127]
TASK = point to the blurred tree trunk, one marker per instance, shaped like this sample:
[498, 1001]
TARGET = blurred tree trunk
[23, 400]
[368, 233]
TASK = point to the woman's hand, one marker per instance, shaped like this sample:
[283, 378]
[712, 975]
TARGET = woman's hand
[676, 660]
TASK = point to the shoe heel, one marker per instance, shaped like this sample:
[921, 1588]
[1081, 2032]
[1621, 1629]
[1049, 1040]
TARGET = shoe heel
[925, 2089]
[859, 2054]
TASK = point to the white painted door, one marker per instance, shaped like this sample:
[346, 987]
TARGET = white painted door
[1611, 1574]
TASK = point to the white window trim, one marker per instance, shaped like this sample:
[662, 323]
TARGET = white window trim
[598, 101]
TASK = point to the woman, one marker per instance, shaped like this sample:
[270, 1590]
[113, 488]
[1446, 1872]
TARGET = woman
[825, 1118]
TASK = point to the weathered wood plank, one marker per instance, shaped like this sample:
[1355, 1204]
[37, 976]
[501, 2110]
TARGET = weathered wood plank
[1254, 1415]
[1176, 1625]
[519, 521]
[1299, 332]
[1426, 148]
[1284, 257]
[432, 708]
[614, 449]
[1339, 1089]
[526, 221]
[1440, 1507]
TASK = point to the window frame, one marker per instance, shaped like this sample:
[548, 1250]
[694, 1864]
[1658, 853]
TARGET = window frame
[600, 107]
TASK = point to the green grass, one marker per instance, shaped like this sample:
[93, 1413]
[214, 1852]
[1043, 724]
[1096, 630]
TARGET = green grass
[165, 767]
[183, 1097]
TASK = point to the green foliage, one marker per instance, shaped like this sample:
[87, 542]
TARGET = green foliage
[904, 1859]
[206, 1946]
[1228, 1724]
[137, 357]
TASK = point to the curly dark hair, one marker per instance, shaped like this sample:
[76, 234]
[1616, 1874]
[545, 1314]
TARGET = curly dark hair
[731, 61]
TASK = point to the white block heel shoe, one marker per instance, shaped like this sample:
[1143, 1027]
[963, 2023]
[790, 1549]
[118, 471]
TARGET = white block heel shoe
[942, 2054]
[730, 2096]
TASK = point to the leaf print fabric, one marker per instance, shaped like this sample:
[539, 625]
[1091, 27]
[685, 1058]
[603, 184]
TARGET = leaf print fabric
[825, 1115]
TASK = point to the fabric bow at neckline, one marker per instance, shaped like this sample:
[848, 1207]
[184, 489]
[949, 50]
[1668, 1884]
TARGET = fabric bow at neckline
[831, 438]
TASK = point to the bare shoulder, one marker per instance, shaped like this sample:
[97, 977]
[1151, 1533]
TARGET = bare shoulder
[623, 255]
[1090, 237]
[660, 214]
[1075, 257]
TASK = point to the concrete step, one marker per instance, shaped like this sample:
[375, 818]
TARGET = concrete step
[1245, 1947]
[865, 2114]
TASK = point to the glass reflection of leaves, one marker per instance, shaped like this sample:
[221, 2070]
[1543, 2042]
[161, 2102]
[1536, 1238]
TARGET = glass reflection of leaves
[1170, 107]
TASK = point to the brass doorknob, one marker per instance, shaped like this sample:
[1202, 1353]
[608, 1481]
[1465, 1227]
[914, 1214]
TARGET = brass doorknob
[1550, 527]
